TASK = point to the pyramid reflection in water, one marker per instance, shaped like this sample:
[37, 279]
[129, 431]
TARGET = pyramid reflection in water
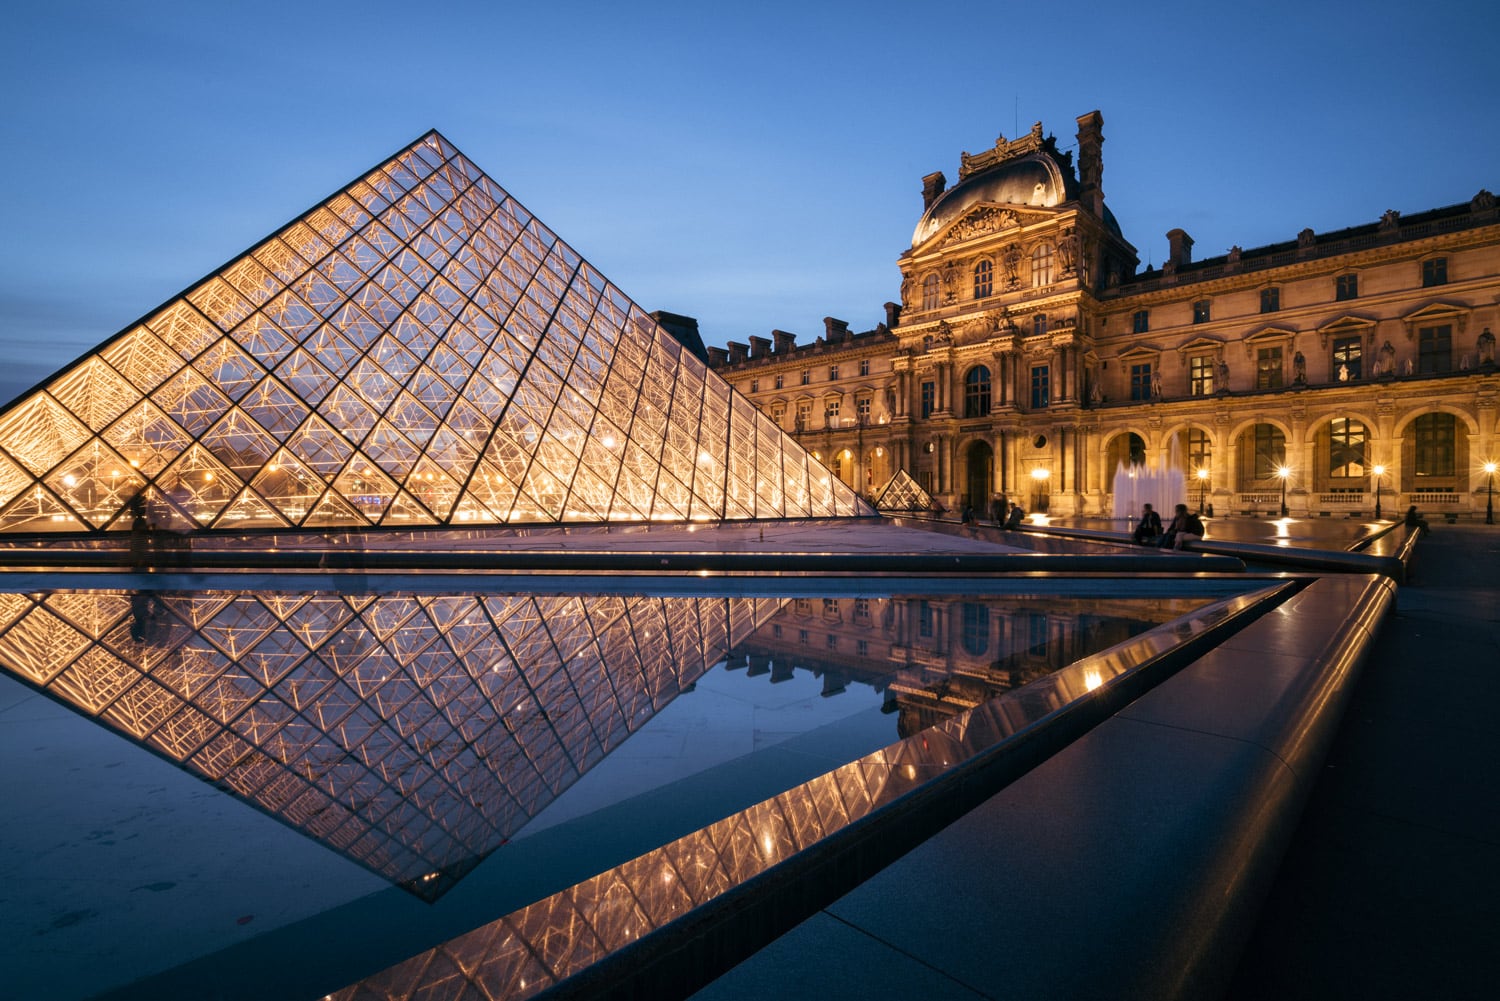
[411, 733]
[416, 350]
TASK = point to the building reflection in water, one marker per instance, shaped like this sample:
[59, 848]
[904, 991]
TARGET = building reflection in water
[415, 733]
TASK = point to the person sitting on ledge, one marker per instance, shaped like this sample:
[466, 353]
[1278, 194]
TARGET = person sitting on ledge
[1185, 528]
[1415, 520]
[1013, 520]
[1148, 532]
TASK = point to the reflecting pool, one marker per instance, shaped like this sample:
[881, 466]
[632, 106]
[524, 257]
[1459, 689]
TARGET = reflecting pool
[416, 733]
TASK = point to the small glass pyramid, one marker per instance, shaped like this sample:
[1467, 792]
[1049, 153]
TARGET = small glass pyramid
[416, 350]
[903, 494]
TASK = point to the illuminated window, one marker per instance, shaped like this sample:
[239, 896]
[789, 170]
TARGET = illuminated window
[1348, 358]
[862, 409]
[1201, 375]
[831, 413]
[1268, 368]
[1434, 272]
[1436, 436]
[977, 392]
[1201, 311]
[1270, 450]
[1041, 266]
[1199, 449]
[984, 280]
[1346, 447]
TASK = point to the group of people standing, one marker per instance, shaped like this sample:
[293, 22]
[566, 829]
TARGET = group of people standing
[1185, 527]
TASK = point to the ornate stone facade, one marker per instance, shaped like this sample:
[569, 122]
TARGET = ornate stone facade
[1030, 357]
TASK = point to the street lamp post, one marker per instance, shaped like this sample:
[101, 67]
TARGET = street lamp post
[1283, 472]
[1379, 472]
[1489, 499]
[1202, 487]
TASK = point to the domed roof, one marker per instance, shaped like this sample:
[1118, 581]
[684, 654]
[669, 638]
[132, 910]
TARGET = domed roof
[1035, 180]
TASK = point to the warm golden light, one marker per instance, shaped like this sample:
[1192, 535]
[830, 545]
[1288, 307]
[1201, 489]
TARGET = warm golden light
[1490, 467]
[1379, 470]
[1283, 471]
[1202, 473]
[1039, 474]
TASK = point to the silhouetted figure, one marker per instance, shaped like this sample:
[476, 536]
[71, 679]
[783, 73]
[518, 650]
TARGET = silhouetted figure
[1186, 527]
[1415, 520]
[1013, 520]
[1148, 531]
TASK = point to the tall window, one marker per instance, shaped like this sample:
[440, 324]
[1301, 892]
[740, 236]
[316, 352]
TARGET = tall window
[976, 629]
[1270, 450]
[977, 392]
[807, 377]
[1140, 381]
[1041, 393]
[930, 292]
[1435, 435]
[1199, 449]
[1041, 266]
[1201, 311]
[929, 398]
[1039, 324]
[864, 366]
[1346, 287]
[1435, 272]
[831, 413]
[804, 415]
[1268, 369]
[984, 280]
[1346, 447]
[1435, 349]
[754, 385]
[924, 619]
[1140, 323]
[1348, 358]
[1270, 300]
[1201, 375]
[833, 373]
[778, 414]
[779, 380]
[862, 410]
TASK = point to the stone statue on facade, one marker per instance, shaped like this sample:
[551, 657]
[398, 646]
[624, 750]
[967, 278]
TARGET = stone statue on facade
[1011, 258]
[1486, 349]
[1299, 369]
[1223, 368]
[1386, 364]
[1067, 250]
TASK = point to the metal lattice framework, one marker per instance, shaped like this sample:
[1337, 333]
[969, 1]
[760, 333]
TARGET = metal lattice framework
[416, 350]
[903, 494]
[411, 733]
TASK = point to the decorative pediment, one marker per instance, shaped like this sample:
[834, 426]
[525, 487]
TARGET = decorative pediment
[1435, 314]
[985, 220]
[1268, 337]
[1347, 325]
[1200, 345]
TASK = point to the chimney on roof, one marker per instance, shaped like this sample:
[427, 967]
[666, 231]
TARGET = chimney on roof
[717, 357]
[786, 341]
[933, 185]
[1179, 248]
[892, 315]
[835, 331]
[1091, 162]
[738, 352]
[760, 347]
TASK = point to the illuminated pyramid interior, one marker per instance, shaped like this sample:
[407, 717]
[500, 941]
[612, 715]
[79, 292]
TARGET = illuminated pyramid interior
[416, 350]
[903, 494]
[411, 733]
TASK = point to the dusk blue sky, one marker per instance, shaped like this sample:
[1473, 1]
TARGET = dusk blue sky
[755, 166]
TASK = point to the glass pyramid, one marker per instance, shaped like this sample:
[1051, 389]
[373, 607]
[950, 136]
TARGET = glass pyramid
[416, 350]
[903, 494]
[412, 733]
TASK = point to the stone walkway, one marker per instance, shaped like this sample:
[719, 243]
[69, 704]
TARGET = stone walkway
[1391, 886]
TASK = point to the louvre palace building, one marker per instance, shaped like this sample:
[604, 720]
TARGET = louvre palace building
[1031, 356]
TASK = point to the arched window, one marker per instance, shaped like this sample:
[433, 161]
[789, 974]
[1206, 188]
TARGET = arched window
[977, 392]
[930, 292]
[984, 280]
[1041, 266]
[1347, 441]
